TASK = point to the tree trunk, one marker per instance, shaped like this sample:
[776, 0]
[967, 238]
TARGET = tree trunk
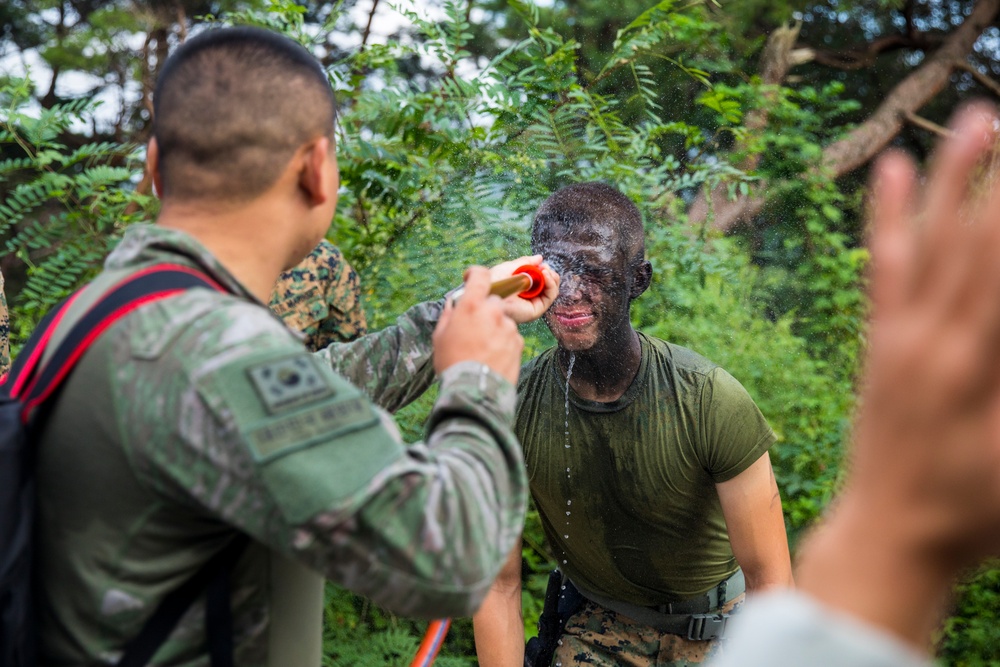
[775, 62]
[869, 138]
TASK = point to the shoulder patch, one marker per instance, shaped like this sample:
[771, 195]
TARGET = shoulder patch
[283, 384]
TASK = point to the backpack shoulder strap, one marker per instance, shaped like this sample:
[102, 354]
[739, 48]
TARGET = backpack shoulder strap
[145, 286]
[25, 364]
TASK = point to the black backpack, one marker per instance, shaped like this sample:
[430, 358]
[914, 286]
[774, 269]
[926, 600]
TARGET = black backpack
[30, 386]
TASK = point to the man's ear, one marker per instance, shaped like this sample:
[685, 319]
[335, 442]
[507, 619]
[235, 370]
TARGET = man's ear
[642, 275]
[153, 166]
[315, 178]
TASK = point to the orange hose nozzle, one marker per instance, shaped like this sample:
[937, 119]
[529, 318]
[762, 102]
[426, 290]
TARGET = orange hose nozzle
[527, 282]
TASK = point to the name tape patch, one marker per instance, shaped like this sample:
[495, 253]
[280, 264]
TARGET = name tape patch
[302, 429]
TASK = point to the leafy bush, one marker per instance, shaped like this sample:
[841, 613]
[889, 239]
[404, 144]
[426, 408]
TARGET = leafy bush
[971, 636]
[63, 207]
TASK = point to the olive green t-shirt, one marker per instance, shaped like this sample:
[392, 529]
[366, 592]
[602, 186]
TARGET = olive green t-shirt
[626, 489]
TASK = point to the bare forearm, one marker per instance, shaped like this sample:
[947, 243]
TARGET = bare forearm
[760, 579]
[499, 629]
[751, 505]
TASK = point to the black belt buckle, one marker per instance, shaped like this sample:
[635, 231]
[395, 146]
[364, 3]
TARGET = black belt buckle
[706, 626]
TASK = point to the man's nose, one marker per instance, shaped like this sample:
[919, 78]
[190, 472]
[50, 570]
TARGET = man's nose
[570, 286]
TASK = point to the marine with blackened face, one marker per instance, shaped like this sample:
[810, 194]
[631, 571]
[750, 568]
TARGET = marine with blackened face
[592, 235]
[647, 462]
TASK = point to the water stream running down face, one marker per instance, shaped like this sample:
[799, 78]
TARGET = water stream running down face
[569, 374]
[569, 503]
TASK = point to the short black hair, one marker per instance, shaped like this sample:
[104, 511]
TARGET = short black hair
[581, 206]
[231, 107]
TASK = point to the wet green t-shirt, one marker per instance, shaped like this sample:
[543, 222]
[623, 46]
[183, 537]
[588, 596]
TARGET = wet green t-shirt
[626, 490]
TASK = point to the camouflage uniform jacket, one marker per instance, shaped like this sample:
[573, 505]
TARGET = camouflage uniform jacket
[321, 298]
[202, 414]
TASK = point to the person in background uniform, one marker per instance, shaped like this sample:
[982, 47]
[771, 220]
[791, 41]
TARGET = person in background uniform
[648, 465]
[201, 417]
[4, 332]
[321, 298]
[921, 502]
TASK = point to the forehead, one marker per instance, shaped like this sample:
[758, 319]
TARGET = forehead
[594, 235]
[575, 249]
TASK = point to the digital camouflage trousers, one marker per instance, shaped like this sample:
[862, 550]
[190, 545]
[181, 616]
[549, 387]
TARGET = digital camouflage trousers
[596, 636]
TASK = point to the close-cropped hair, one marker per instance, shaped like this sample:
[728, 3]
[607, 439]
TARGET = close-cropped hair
[231, 107]
[582, 206]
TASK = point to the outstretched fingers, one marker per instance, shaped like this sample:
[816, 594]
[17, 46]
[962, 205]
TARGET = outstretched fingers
[892, 238]
[944, 235]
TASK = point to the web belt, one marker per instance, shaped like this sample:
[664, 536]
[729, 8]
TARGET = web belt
[698, 618]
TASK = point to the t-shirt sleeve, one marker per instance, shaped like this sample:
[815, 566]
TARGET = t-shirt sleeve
[734, 432]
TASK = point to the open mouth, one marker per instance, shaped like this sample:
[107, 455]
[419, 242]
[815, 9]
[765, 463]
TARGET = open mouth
[572, 320]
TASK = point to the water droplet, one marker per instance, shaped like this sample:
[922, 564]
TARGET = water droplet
[568, 502]
[567, 512]
[563, 587]
[565, 537]
[564, 561]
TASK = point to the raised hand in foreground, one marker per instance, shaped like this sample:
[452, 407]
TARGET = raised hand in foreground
[922, 500]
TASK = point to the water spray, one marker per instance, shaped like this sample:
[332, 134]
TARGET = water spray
[527, 282]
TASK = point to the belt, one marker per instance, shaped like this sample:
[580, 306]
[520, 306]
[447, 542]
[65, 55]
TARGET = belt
[696, 618]
[726, 591]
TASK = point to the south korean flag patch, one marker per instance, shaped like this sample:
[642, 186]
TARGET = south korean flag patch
[288, 383]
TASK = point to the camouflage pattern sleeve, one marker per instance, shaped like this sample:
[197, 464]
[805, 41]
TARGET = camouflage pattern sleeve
[4, 332]
[268, 438]
[393, 366]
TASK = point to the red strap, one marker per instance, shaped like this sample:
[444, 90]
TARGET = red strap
[145, 286]
[35, 401]
[27, 372]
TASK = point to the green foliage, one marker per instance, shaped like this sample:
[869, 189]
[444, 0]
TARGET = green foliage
[813, 263]
[356, 632]
[64, 207]
[971, 636]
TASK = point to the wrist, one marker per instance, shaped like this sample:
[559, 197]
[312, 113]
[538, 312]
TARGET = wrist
[477, 378]
[865, 563]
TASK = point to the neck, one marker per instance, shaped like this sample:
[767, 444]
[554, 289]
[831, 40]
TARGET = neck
[234, 235]
[604, 372]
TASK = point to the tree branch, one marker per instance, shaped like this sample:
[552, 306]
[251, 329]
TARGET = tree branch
[909, 95]
[867, 139]
[778, 57]
[865, 56]
[981, 79]
[928, 125]
[368, 26]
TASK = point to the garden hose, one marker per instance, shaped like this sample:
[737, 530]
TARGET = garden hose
[431, 643]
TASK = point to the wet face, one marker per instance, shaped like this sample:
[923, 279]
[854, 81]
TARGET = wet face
[596, 281]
